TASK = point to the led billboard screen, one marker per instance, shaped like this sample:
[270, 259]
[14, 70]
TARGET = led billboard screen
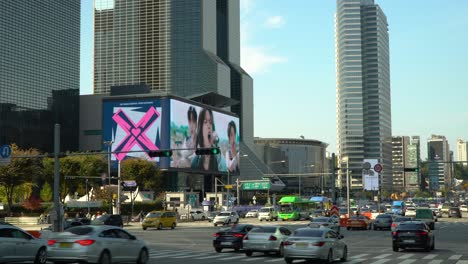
[133, 126]
[192, 127]
[370, 177]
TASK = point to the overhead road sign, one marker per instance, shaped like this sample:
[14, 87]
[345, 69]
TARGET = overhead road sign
[256, 185]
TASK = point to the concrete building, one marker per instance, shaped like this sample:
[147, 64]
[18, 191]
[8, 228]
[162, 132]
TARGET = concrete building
[462, 151]
[363, 89]
[405, 156]
[439, 171]
[300, 163]
[185, 48]
[39, 72]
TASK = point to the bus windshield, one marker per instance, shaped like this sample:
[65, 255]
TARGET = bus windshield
[286, 208]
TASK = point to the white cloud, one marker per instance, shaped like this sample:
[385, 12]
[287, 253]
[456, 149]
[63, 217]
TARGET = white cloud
[257, 60]
[275, 22]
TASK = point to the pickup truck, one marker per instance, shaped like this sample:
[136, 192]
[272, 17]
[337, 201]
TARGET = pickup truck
[425, 215]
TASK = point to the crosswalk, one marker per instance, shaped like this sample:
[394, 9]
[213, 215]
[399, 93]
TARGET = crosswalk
[367, 258]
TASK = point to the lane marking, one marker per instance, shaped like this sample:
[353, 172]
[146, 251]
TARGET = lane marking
[381, 261]
[359, 256]
[455, 257]
[462, 262]
[191, 256]
[254, 259]
[235, 257]
[406, 256]
[435, 261]
[408, 261]
[382, 256]
[275, 260]
[355, 261]
[209, 257]
[430, 256]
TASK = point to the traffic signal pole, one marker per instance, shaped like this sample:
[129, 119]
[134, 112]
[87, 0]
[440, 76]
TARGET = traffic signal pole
[333, 179]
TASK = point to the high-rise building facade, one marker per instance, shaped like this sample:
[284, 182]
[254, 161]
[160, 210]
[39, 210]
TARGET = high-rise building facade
[363, 89]
[184, 48]
[39, 72]
[438, 155]
[462, 151]
[405, 155]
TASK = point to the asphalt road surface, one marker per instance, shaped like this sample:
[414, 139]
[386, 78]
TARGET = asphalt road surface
[192, 242]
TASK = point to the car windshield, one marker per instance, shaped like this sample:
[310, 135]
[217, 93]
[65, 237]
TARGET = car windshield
[320, 219]
[410, 226]
[396, 207]
[265, 210]
[402, 219]
[264, 229]
[80, 230]
[384, 216]
[357, 217]
[310, 232]
[253, 211]
[224, 214]
[153, 215]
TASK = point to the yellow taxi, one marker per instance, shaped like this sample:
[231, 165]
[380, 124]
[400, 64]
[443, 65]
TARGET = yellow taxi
[160, 219]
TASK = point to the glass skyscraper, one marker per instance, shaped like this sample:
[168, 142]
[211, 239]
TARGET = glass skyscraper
[39, 72]
[363, 89]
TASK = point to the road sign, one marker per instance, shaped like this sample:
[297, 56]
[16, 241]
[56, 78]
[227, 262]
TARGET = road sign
[334, 211]
[256, 185]
[5, 154]
[378, 168]
[228, 186]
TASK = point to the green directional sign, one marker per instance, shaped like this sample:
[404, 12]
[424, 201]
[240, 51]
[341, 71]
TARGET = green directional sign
[256, 185]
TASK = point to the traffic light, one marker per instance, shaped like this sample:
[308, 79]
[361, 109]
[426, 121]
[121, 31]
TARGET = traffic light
[411, 170]
[207, 151]
[160, 153]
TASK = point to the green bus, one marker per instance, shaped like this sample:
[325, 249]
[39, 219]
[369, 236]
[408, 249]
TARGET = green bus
[295, 208]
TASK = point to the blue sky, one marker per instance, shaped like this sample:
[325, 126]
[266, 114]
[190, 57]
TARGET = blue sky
[288, 48]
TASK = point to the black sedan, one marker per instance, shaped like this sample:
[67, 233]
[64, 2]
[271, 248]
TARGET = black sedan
[231, 237]
[413, 234]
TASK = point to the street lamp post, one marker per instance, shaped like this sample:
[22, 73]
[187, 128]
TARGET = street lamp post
[109, 150]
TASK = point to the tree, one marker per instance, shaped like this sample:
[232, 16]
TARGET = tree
[19, 171]
[46, 192]
[32, 203]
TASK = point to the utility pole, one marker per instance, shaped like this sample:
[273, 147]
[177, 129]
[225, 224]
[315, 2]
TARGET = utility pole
[58, 226]
[333, 183]
[109, 151]
[238, 191]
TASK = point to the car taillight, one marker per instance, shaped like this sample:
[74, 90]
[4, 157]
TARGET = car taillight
[238, 235]
[272, 238]
[51, 242]
[216, 235]
[246, 238]
[393, 225]
[318, 244]
[395, 233]
[421, 233]
[288, 243]
[85, 242]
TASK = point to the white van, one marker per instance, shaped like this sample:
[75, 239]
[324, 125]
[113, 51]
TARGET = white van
[267, 213]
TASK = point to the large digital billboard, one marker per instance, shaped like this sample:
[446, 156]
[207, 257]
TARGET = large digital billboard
[192, 127]
[370, 177]
[133, 127]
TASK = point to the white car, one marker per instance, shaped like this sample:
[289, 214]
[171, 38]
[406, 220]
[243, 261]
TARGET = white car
[17, 246]
[267, 213]
[463, 208]
[226, 218]
[410, 211]
[198, 215]
[252, 213]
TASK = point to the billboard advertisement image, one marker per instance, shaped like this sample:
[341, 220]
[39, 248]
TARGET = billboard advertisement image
[134, 127]
[370, 177]
[194, 127]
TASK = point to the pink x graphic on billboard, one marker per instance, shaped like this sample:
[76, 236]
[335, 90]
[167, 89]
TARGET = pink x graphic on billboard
[134, 127]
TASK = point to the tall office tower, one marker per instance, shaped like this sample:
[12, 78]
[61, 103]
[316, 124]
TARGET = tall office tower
[363, 108]
[187, 48]
[39, 72]
[439, 172]
[462, 151]
[405, 157]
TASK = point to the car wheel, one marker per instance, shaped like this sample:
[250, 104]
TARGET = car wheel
[433, 245]
[144, 228]
[288, 260]
[173, 226]
[237, 221]
[375, 228]
[160, 226]
[203, 218]
[348, 228]
[280, 252]
[229, 222]
[105, 258]
[330, 257]
[237, 249]
[344, 257]
[215, 224]
[248, 253]
[143, 257]
[41, 256]
[261, 220]
[395, 248]
[218, 249]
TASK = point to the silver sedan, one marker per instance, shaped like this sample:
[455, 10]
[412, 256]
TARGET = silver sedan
[96, 244]
[16, 245]
[325, 222]
[265, 239]
[315, 244]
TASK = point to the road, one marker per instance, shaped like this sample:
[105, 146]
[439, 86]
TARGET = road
[193, 242]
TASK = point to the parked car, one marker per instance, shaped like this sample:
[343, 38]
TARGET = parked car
[426, 216]
[212, 215]
[312, 244]
[267, 213]
[398, 220]
[96, 244]
[252, 214]
[226, 217]
[413, 234]
[266, 239]
[231, 237]
[160, 219]
[108, 219]
[325, 222]
[454, 212]
[18, 246]
[383, 221]
[198, 215]
[358, 221]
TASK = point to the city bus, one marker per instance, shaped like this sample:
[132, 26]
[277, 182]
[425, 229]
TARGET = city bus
[295, 208]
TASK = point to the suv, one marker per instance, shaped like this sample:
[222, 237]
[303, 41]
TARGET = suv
[426, 216]
[267, 213]
[108, 219]
[226, 217]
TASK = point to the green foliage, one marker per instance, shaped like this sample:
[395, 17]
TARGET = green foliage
[460, 171]
[145, 207]
[32, 203]
[144, 172]
[46, 192]
[421, 194]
